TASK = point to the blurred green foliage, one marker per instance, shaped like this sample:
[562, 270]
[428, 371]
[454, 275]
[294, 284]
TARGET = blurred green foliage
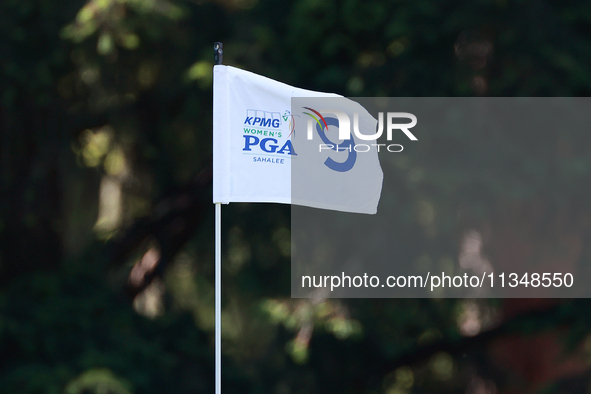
[105, 120]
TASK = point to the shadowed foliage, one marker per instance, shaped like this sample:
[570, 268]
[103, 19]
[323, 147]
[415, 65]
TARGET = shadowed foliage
[106, 221]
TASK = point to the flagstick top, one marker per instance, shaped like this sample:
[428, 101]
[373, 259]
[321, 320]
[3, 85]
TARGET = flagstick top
[218, 52]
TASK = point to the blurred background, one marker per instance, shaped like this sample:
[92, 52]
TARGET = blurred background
[106, 221]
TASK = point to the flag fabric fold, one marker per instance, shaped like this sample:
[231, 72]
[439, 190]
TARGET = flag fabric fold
[268, 147]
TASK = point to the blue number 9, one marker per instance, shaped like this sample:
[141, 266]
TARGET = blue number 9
[348, 144]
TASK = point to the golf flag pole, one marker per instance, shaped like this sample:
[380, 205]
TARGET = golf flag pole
[217, 58]
[258, 125]
[218, 298]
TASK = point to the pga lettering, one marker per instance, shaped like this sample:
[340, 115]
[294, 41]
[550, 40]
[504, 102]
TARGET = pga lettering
[268, 145]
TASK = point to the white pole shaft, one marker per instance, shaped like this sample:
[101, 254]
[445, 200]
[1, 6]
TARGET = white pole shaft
[218, 298]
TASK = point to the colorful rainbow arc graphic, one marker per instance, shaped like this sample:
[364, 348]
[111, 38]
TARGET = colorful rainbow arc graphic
[315, 118]
[292, 120]
[291, 125]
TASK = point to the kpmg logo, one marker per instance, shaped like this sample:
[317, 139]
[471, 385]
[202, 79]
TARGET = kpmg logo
[265, 119]
[348, 144]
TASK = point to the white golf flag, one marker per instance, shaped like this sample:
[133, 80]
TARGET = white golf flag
[268, 148]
